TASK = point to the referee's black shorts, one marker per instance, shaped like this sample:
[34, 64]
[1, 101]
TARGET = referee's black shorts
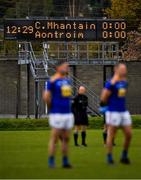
[81, 118]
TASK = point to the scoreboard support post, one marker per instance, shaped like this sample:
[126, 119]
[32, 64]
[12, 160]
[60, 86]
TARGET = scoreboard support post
[36, 99]
[28, 91]
[74, 81]
[18, 92]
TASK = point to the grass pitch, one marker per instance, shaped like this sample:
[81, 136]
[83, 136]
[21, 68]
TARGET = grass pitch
[23, 154]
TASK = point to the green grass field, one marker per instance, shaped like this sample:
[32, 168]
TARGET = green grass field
[23, 154]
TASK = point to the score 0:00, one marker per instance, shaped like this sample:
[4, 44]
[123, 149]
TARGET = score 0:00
[116, 25]
[116, 34]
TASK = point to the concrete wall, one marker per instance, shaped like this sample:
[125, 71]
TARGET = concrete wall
[134, 93]
[93, 77]
[11, 73]
[8, 90]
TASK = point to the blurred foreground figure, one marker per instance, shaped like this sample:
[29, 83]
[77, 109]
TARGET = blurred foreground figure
[113, 104]
[79, 107]
[57, 95]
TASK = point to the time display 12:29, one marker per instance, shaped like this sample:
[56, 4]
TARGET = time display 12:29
[19, 29]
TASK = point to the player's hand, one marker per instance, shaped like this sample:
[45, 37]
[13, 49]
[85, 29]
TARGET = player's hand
[103, 109]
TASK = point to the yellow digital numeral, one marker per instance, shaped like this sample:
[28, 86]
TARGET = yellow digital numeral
[25, 30]
[105, 25]
[14, 29]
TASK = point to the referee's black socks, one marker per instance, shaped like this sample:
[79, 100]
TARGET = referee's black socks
[75, 138]
[83, 135]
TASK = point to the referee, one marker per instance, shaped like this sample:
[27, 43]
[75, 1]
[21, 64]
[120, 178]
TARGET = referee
[79, 108]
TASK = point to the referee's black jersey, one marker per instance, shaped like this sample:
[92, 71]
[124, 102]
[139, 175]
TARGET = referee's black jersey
[79, 108]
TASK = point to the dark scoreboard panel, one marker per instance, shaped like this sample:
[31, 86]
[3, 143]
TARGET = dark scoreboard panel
[65, 30]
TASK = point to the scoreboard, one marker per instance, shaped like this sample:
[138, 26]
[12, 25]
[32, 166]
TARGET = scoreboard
[65, 29]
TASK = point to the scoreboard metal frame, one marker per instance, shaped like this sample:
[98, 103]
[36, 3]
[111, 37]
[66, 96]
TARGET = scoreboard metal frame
[65, 29]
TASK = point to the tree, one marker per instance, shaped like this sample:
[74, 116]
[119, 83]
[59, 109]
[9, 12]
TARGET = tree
[7, 9]
[23, 8]
[36, 8]
[72, 8]
[132, 47]
[127, 9]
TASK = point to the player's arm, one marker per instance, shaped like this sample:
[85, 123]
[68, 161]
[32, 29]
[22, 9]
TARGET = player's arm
[106, 93]
[47, 98]
[105, 96]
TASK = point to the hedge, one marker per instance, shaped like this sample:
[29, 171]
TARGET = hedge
[23, 124]
[42, 124]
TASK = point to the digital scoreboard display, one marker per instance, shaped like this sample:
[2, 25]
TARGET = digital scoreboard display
[65, 30]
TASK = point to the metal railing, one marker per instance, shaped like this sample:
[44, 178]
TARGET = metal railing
[38, 66]
[84, 52]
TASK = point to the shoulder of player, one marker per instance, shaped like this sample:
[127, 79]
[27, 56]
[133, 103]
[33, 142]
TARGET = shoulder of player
[109, 82]
[114, 81]
[53, 78]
